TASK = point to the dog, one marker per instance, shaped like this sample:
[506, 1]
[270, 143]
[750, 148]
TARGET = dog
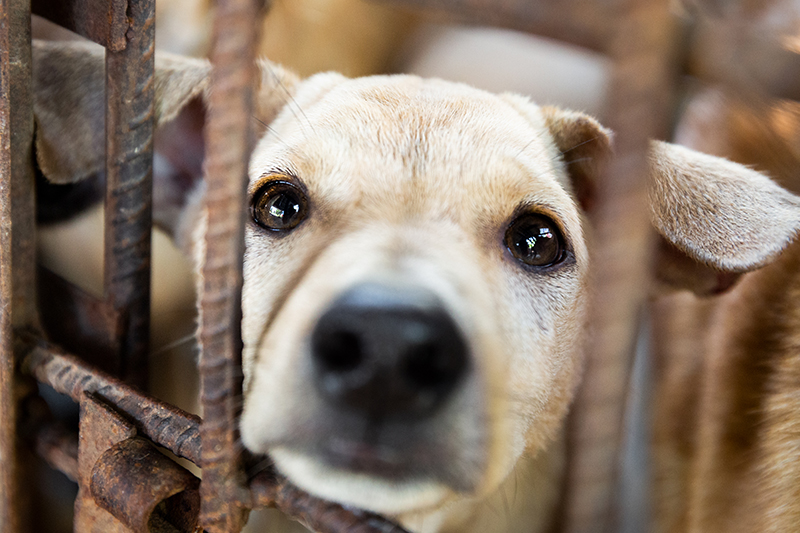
[416, 271]
[725, 432]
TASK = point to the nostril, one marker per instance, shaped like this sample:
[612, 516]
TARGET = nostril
[339, 351]
[431, 366]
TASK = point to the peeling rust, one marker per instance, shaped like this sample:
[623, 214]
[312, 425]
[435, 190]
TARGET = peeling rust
[100, 429]
[131, 480]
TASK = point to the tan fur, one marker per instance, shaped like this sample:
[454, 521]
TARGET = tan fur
[414, 181]
[725, 426]
[741, 427]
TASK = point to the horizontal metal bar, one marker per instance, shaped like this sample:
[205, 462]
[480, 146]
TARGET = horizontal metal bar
[176, 431]
[102, 21]
[269, 490]
[585, 23]
[164, 424]
[58, 446]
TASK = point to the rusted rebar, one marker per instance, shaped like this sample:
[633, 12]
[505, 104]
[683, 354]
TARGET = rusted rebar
[58, 446]
[17, 294]
[586, 23]
[168, 426]
[639, 106]
[270, 490]
[173, 429]
[130, 89]
[228, 139]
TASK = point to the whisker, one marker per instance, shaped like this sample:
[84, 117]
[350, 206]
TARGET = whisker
[174, 344]
[290, 100]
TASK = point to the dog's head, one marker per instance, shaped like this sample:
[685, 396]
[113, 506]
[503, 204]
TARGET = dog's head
[416, 267]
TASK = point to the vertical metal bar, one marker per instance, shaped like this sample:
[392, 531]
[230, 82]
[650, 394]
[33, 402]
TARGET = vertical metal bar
[129, 166]
[643, 49]
[228, 138]
[16, 240]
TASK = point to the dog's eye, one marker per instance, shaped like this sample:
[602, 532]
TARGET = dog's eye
[535, 240]
[279, 206]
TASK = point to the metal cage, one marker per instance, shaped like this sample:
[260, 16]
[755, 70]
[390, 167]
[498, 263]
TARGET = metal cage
[119, 424]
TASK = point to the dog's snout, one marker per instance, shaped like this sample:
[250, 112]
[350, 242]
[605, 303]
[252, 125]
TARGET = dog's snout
[388, 352]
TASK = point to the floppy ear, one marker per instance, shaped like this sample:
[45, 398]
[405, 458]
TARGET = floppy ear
[69, 109]
[716, 219]
[69, 104]
[585, 147]
[728, 219]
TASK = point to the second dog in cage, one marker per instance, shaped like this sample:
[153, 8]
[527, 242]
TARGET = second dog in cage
[415, 272]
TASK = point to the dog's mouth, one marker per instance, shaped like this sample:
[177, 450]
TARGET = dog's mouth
[377, 457]
[365, 458]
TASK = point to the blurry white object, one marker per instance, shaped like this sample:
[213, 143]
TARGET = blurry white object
[502, 60]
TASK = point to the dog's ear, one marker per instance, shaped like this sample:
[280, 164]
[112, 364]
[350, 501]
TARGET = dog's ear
[585, 147]
[719, 219]
[69, 110]
[716, 219]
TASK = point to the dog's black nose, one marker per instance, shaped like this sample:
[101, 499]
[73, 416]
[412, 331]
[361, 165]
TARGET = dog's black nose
[388, 351]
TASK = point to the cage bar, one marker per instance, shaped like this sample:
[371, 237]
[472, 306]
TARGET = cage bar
[228, 138]
[130, 89]
[638, 35]
[643, 51]
[16, 241]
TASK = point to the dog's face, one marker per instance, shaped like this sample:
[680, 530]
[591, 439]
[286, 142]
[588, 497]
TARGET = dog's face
[412, 315]
[415, 265]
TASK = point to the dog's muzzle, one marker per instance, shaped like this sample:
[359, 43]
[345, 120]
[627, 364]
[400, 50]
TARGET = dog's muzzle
[388, 352]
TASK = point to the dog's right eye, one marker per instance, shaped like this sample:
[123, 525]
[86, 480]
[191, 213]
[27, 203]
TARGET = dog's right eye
[279, 206]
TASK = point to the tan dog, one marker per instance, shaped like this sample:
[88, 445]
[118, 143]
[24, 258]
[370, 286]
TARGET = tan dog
[727, 430]
[415, 273]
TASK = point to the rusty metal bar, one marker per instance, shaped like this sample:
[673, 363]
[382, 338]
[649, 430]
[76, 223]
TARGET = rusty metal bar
[269, 490]
[131, 479]
[89, 517]
[162, 423]
[641, 95]
[17, 252]
[130, 90]
[173, 429]
[585, 23]
[102, 21]
[58, 446]
[81, 323]
[228, 137]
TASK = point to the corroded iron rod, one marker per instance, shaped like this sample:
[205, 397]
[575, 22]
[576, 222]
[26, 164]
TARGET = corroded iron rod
[228, 139]
[130, 89]
[168, 426]
[176, 431]
[17, 278]
[585, 23]
[639, 107]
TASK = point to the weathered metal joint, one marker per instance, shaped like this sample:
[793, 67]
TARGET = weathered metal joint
[144, 489]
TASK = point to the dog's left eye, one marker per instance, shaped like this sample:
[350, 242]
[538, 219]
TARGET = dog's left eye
[535, 240]
[279, 206]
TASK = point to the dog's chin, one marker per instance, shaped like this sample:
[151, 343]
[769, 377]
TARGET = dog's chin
[383, 492]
